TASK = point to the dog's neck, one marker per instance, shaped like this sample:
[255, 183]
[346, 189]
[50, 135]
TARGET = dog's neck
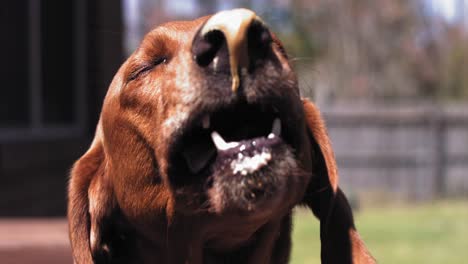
[187, 244]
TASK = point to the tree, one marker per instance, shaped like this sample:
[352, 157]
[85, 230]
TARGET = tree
[383, 50]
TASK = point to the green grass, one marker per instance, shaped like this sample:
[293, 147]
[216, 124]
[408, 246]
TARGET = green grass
[428, 233]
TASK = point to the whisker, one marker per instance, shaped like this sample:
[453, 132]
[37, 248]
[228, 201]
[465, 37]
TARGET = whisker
[302, 58]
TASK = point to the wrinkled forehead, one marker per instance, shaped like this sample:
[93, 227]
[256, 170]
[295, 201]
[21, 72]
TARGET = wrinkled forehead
[175, 30]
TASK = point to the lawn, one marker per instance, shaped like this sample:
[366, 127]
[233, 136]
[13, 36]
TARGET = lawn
[428, 233]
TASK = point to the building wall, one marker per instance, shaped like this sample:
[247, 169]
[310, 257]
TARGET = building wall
[72, 51]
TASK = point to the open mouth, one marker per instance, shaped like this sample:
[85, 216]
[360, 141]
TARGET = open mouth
[239, 139]
[248, 155]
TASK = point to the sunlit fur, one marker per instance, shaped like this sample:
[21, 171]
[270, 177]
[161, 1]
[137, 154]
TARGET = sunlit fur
[124, 205]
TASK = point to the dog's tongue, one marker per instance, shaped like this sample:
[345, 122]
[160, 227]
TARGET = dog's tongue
[198, 155]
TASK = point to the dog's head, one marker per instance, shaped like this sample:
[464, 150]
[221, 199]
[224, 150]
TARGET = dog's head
[204, 120]
[218, 137]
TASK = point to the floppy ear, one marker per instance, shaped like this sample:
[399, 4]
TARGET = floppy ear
[90, 205]
[340, 240]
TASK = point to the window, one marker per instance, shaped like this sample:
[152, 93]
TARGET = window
[43, 69]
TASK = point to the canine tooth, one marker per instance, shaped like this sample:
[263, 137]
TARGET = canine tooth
[271, 135]
[215, 63]
[220, 143]
[206, 122]
[276, 130]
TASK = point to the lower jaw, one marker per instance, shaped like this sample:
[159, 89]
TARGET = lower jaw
[263, 207]
[261, 190]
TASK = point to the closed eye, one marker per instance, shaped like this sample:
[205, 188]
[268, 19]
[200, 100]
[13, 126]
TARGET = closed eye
[145, 68]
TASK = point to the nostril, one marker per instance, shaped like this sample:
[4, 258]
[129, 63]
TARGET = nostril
[205, 48]
[259, 35]
[259, 40]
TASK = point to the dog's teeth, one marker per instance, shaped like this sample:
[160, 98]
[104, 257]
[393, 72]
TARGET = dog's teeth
[249, 164]
[276, 130]
[215, 63]
[220, 143]
[206, 122]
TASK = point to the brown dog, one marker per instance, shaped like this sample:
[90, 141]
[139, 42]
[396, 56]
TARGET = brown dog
[203, 148]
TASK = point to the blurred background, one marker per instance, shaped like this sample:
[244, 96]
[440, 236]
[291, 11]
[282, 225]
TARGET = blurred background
[390, 76]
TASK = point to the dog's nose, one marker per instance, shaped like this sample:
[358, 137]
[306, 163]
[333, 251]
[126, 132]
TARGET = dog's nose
[231, 41]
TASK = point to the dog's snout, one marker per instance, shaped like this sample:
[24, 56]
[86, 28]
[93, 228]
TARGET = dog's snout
[231, 41]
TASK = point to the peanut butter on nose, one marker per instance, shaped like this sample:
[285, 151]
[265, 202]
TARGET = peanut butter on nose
[234, 25]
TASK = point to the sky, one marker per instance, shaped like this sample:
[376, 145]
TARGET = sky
[447, 8]
[444, 7]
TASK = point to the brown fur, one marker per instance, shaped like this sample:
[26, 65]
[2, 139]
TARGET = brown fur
[125, 205]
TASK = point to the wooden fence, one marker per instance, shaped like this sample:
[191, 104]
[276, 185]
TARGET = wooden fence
[409, 153]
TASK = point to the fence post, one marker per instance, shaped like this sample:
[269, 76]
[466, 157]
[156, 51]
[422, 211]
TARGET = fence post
[440, 156]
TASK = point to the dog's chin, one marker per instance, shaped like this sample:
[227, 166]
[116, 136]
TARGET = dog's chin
[253, 181]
